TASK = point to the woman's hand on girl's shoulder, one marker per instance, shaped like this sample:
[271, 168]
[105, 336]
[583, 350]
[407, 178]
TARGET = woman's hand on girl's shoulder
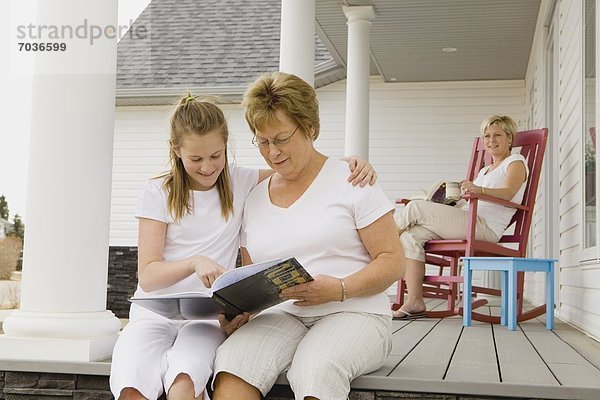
[206, 269]
[362, 172]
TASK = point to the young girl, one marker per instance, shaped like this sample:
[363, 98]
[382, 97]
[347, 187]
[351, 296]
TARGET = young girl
[189, 224]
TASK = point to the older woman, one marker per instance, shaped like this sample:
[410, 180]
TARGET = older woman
[338, 326]
[421, 221]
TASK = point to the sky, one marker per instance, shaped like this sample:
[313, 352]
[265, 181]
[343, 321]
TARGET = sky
[15, 106]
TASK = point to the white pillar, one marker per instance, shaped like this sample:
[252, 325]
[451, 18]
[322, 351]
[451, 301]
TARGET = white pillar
[63, 314]
[297, 45]
[357, 82]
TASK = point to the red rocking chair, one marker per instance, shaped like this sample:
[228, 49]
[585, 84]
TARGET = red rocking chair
[446, 253]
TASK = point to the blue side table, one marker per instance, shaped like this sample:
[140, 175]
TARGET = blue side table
[509, 266]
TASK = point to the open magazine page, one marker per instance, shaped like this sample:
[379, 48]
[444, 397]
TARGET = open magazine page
[189, 305]
[247, 289]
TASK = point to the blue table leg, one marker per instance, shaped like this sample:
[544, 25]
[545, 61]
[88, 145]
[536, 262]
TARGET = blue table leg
[467, 294]
[512, 298]
[503, 296]
[550, 296]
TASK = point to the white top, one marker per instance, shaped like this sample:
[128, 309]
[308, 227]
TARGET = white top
[321, 230]
[497, 216]
[202, 232]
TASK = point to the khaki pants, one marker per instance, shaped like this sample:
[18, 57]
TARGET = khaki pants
[321, 355]
[423, 220]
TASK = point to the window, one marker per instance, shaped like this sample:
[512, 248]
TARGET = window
[589, 124]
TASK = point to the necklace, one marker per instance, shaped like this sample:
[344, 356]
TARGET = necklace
[495, 163]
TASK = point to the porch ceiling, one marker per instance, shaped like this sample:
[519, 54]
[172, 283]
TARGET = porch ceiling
[493, 38]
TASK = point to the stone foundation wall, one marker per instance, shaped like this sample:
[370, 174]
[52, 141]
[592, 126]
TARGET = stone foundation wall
[122, 279]
[47, 386]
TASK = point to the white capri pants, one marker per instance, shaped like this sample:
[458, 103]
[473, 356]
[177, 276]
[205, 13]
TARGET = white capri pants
[321, 355]
[424, 220]
[151, 351]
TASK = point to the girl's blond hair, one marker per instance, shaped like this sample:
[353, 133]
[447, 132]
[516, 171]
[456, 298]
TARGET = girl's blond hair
[194, 117]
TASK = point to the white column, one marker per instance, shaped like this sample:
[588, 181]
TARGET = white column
[63, 314]
[297, 45]
[357, 82]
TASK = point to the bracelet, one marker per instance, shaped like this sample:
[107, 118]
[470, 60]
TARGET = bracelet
[482, 190]
[344, 292]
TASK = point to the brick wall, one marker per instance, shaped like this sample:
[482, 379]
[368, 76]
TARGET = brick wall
[36, 385]
[122, 279]
[49, 386]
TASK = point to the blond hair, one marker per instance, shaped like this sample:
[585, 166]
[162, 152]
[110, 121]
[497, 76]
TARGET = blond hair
[194, 117]
[506, 123]
[280, 91]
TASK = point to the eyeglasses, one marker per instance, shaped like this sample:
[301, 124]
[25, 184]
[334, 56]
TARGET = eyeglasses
[264, 143]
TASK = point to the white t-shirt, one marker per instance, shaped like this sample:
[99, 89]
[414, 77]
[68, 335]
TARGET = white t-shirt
[496, 216]
[202, 232]
[321, 230]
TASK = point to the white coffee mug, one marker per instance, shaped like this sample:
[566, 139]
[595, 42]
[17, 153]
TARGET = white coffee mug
[453, 190]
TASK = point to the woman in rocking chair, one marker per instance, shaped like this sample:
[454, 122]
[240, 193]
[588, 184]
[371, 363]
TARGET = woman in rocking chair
[421, 220]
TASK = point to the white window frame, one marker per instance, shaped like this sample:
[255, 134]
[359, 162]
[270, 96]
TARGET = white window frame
[590, 254]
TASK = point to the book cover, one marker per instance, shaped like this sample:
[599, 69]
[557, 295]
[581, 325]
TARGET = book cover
[437, 192]
[252, 288]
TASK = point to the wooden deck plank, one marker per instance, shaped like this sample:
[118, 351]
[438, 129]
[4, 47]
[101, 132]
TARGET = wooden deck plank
[406, 338]
[577, 375]
[585, 346]
[475, 357]
[431, 357]
[551, 348]
[403, 341]
[568, 366]
[388, 366]
[518, 360]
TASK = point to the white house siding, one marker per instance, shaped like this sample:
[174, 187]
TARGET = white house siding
[579, 280]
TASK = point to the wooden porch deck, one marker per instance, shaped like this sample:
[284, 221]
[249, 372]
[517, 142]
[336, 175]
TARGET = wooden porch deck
[439, 359]
[441, 356]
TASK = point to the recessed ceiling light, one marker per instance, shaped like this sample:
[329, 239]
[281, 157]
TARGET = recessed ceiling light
[393, 79]
[449, 49]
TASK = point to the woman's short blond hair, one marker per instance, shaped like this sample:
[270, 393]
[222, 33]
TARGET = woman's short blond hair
[280, 91]
[506, 123]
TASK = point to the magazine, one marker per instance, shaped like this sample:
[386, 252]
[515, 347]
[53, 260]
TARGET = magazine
[437, 194]
[252, 288]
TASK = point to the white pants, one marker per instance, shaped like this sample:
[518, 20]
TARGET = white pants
[424, 220]
[321, 354]
[151, 351]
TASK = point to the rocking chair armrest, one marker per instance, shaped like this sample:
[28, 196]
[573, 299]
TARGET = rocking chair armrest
[491, 199]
